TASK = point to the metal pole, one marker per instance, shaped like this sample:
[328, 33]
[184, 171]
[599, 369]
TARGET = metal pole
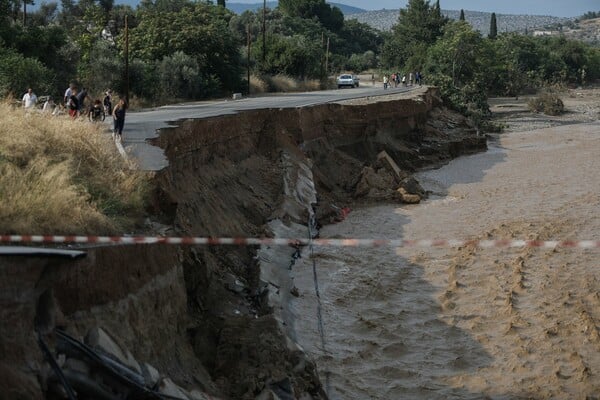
[327, 59]
[126, 61]
[248, 55]
[264, 32]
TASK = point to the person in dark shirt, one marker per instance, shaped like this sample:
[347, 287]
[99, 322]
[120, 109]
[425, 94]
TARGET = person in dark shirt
[96, 112]
[119, 118]
[73, 104]
[108, 102]
[81, 96]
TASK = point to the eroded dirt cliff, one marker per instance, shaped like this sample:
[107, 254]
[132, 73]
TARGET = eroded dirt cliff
[215, 318]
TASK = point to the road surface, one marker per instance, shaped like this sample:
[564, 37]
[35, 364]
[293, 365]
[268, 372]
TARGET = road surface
[144, 125]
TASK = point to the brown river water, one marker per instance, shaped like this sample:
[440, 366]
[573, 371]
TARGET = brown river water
[466, 323]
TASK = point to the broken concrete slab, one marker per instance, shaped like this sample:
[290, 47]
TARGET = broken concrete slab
[97, 338]
[387, 162]
[169, 388]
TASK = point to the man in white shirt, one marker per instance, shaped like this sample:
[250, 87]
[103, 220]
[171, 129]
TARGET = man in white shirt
[68, 93]
[29, 99]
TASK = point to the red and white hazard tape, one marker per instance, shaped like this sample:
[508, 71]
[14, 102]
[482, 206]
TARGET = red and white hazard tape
[125, 240]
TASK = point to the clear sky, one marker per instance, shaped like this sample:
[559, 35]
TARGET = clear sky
[559, 8]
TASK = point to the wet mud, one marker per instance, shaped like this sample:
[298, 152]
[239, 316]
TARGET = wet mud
[468, 323]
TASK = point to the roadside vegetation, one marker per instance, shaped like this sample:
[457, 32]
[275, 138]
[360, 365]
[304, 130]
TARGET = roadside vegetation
[59, 176]
[210, 50]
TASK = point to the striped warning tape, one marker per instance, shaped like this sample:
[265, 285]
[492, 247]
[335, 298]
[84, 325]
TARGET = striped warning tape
[210, 241]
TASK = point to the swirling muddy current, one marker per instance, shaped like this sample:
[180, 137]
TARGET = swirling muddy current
[467, 323]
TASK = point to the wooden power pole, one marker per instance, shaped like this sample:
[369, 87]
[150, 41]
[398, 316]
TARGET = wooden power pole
[248, 55]
[126, 62]
[264, 33]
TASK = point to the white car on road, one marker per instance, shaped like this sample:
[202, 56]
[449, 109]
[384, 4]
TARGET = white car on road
[347, 80]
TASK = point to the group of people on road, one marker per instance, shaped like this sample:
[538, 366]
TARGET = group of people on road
[396, 79]
[74, 102]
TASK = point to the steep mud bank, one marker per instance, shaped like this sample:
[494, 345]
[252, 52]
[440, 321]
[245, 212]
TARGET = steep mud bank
[216, 319]
[245, 175]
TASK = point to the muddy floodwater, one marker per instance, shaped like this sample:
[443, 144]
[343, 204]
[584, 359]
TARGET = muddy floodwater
[466, 323]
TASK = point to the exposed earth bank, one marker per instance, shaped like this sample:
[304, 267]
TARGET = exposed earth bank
[215, 320]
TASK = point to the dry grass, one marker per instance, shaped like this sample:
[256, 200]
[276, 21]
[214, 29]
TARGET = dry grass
[284, 83]
[258, 85]
[59, 176]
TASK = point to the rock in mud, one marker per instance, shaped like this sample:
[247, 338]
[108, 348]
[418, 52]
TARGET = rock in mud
[408, 198]
[375, 184]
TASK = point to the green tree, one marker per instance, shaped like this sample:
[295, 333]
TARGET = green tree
[419, 25]
[221, 3]
[462, 15]
[179, 76]
[330, 17]
[199, 30]
[493, 27]
[457, 54]
[17, 73]
[296, 56]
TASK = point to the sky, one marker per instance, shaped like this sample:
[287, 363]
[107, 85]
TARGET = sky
[559, 8]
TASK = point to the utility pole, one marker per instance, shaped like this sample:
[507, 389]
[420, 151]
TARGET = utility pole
[264, 32]
[248, 55]
[126, 62]
[327, 59]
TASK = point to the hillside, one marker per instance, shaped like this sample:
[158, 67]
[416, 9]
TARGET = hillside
[239, 8]
[385, 19]
[587, 30]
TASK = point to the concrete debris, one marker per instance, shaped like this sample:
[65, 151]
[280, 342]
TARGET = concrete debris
[97, 372]
[385, 161]
[76, 365]
[197, 395]
[98, 339]
[267, 394]
[169, 388]
[151, 375]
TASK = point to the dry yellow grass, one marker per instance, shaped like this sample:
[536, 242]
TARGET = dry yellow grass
[258, 85]
[284, 83]
[59, 176]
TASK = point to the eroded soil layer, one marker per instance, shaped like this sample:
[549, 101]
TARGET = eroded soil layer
[214, 318]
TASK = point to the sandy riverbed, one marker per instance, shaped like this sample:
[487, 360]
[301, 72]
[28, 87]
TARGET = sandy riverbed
[468, 323]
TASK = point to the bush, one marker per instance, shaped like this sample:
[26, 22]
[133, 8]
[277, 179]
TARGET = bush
[17, 73]
[547, 103]
[179, 76]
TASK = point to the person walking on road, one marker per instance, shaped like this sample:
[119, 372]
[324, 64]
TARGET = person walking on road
[108, 102]
[29, 100]
[119, 119]
[385, 81]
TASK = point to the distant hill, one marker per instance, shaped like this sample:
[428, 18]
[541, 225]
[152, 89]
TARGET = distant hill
[239, 8]
[385, 19]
